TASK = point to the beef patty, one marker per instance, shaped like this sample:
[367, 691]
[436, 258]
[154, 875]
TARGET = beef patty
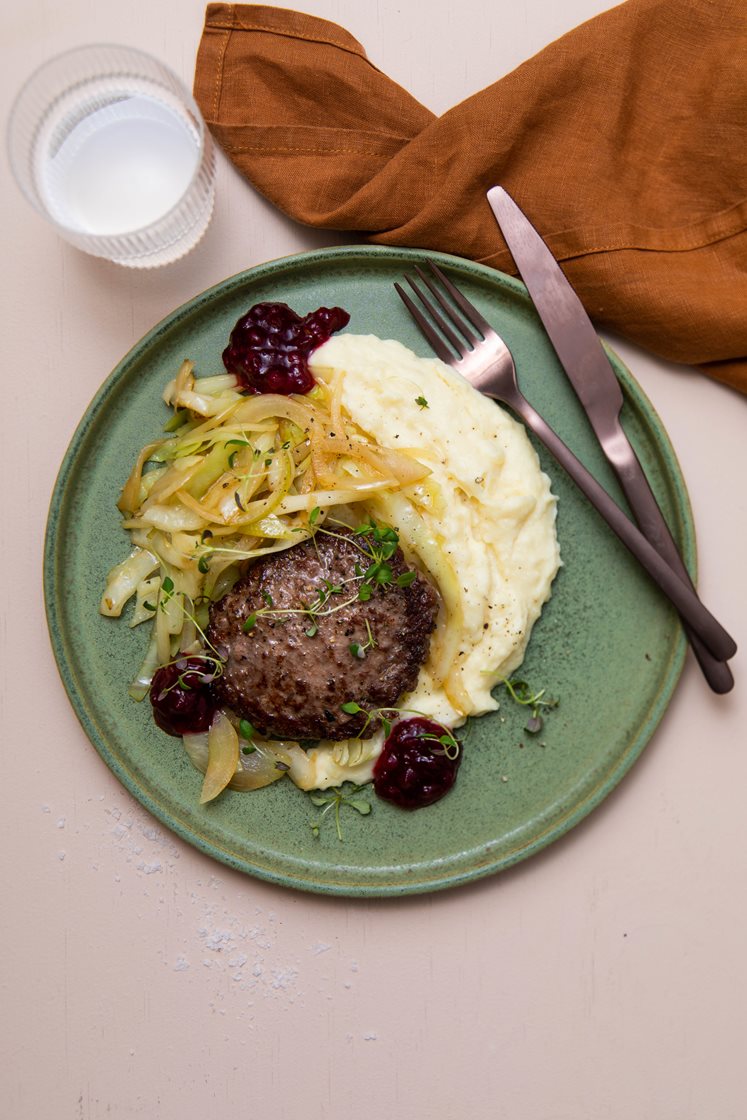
[289, 673]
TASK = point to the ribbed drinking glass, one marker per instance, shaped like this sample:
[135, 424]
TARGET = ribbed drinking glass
[109, 145]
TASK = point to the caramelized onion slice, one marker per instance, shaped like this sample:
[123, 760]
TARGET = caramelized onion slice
[222, 757]
[265, 763]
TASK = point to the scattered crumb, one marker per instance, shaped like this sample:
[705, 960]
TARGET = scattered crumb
[282, 978]
[149, 868]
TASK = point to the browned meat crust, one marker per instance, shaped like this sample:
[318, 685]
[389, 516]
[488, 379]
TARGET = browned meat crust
[291, 685]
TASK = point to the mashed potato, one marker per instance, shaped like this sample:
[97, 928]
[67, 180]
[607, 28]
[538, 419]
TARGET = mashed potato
[482, 526]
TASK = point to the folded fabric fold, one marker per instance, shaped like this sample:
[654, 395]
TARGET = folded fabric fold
[624, 142]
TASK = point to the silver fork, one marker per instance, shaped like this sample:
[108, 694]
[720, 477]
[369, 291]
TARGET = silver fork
[478, 352]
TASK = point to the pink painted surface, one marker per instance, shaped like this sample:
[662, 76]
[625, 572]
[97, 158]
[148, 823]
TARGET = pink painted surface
[603, 979]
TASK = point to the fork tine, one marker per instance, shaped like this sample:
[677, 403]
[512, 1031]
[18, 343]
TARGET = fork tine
[469, 309]
[444, 324]
[450, 310]
[437, 343]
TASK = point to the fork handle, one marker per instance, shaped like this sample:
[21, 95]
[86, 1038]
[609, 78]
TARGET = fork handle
[678, 591]
[654, 527]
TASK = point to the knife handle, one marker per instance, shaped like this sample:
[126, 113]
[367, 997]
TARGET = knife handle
[677, 590]
[654, 527]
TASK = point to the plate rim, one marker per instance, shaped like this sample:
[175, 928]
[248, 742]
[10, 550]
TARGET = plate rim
[477, 869]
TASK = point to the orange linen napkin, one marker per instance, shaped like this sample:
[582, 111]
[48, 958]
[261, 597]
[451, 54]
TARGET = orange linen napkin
[624, 142]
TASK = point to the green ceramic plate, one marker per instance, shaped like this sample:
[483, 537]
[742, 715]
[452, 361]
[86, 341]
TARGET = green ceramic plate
[607, 645]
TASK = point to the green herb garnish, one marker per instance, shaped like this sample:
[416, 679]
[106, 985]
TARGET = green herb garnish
[386, 717]
[406, 578]
[247, 732]
[521, 692]
[332, 802]
[359, 650]
[377, 543]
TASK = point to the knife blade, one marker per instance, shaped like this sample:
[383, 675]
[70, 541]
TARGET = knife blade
[590, 372]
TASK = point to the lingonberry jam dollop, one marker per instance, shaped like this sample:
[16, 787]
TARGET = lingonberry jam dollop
[269, 348]
[413, 769]
[182, 700]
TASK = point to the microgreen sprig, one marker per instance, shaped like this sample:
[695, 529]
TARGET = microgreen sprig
[359, 650]
[168, 592]
[247, 732]
[520, 691]
[387, 716]
[205, 677]
[377, 543]
[332, 802]
[318, 608]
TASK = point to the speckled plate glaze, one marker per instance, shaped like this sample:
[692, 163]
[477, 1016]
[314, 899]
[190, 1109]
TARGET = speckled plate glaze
[607, 645]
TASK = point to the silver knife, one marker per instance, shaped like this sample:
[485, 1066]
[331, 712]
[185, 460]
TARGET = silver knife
[589, 370]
